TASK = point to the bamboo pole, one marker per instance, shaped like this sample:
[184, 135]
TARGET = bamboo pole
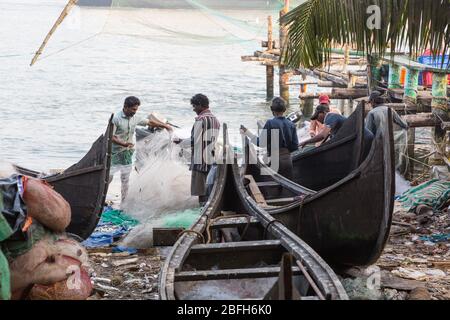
[270, 74]
[284, 76]
[61, 18]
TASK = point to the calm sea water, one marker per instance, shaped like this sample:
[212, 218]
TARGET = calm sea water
[52, 112]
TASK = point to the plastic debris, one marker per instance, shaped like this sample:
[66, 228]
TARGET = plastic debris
[124, 249]
[182, 219]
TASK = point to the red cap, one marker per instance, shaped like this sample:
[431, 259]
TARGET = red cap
[324, 99]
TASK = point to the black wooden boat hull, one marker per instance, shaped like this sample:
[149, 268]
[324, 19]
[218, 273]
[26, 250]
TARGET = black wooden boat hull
[248, 263]
[323, 166]
[84, 185]
[347, 223]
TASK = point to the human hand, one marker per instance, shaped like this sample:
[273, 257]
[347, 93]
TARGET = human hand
[129, 145]
[243, 129]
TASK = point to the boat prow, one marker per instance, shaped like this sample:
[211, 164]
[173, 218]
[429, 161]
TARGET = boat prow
[84, 185]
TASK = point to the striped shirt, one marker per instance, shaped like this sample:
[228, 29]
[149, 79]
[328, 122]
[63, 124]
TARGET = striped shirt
[204, 136]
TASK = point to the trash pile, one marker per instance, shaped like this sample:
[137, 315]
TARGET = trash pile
[38, 261]
[415, 264]
[123, 266]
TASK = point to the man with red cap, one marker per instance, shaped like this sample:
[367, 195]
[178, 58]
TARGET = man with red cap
[316, 126]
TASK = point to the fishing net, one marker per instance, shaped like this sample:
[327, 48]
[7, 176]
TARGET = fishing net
[178, 22]
[192, 22]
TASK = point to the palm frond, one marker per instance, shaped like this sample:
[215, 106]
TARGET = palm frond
[413, 24]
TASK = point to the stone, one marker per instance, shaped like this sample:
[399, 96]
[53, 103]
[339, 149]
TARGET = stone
[420, 293]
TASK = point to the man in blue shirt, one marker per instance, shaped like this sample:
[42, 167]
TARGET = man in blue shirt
[332, 121]
[287, 137]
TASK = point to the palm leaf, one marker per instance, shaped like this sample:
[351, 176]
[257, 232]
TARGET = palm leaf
[413, 24]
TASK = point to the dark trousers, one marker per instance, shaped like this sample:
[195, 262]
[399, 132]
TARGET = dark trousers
[286, 168]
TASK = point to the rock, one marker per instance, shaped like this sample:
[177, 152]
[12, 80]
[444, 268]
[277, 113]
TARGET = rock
[117, 280]
[435, 273]
[420, 293]
[357, 289]
[119, 263]
[410, 274]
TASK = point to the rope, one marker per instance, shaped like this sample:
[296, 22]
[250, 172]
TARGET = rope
[202, 238]
[415, 160]
[269, 224]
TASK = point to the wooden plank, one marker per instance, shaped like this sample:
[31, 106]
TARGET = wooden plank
[268, 184]
[405, 61]
[163, 237]
[234, 222]
[281, 200]
[248, 273]
[421, 120]
[233, 255]
[236, 246]
[254, 190]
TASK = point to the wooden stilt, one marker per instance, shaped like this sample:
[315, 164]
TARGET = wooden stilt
[439, 105]
[412, 82]
[284, 76]
[373, 72]
[410, 153]
[394, 77]
[269, 68]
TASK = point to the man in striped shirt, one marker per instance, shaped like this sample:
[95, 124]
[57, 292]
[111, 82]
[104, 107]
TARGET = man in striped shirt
[204, 135]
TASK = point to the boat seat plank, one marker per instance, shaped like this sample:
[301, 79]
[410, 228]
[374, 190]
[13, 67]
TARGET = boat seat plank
[234, 222]
[235, 246]
[281, 200]
[268, 184]
[255, 191]
[234, 255]
[251, 273]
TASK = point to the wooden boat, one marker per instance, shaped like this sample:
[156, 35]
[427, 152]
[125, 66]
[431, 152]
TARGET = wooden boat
[323, 166]
[348, 222]
[236, 250]
[84, 185]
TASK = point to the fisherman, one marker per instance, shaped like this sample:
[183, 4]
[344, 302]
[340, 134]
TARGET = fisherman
[331, 122]
[204, 136]
[373, 119]
[316, 127]
[125, 122]
[287, 134]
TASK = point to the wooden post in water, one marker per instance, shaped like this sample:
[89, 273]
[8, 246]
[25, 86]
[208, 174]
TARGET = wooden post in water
[269, 68]
[439, 105]
[284, 76]
[394, 77]
[307, 105]
[410, 97]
